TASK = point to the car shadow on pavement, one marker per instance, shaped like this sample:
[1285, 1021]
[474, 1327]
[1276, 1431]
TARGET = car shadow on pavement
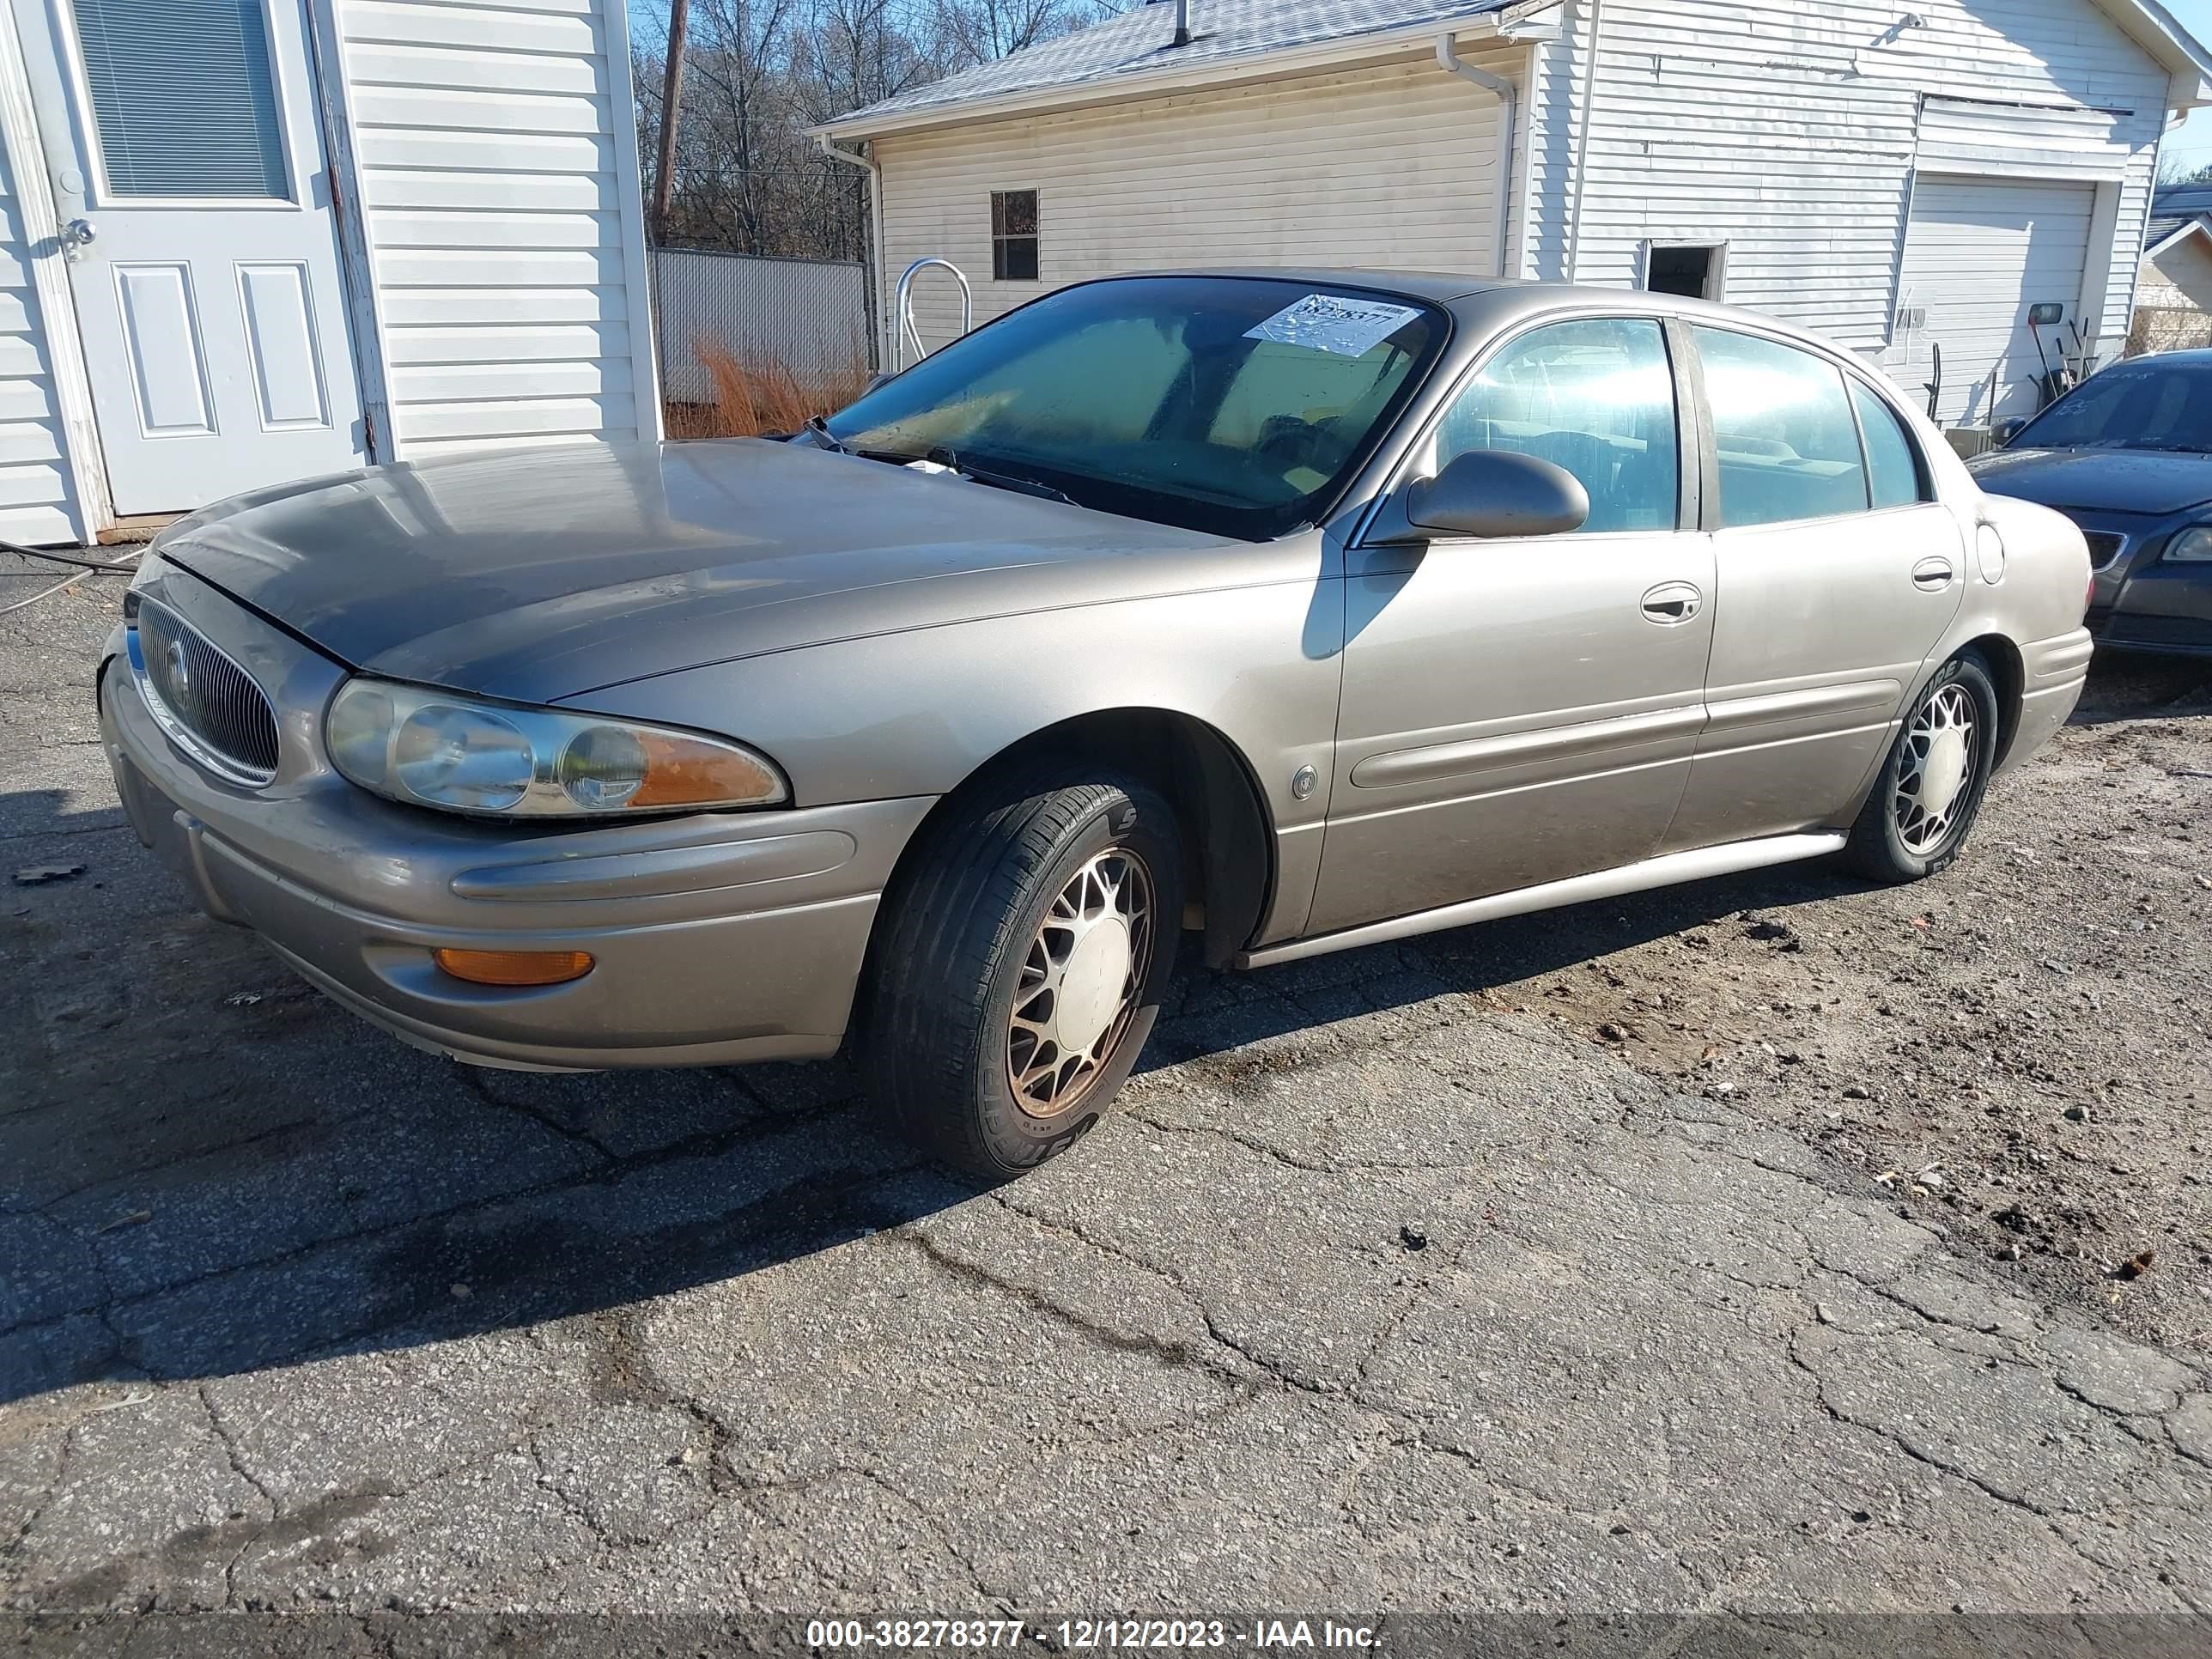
[2144, 685]
[208, 1168]
[1208, 1012]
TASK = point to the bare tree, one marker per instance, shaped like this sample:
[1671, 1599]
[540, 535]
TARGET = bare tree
[732, 167]
[2183, 169]
[980, 31]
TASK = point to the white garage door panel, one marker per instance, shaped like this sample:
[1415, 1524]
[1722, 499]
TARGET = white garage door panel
[1977, 254]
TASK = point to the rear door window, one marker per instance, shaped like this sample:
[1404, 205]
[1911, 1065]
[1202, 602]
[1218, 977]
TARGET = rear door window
[1893, 468]
[1782, 431]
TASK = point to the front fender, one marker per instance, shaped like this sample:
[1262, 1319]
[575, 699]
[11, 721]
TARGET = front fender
[918, 711]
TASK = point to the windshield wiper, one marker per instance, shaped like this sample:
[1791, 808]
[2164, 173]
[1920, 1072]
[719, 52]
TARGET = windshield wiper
[1020, 486]
[818, 429]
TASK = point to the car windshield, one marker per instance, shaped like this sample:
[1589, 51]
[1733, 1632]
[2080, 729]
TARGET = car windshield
[2146, 404]
[1236, 406]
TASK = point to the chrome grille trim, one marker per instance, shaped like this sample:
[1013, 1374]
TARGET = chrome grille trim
[209, 707]
[2106, 547]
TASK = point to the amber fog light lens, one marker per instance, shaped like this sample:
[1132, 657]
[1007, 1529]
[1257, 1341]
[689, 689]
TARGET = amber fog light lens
[514, 967]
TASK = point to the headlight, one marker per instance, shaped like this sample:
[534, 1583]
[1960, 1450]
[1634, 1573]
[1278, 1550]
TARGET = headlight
[434, 749]
[2191, 546]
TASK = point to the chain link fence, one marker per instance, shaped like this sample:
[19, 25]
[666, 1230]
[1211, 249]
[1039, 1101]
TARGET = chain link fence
[2159, 329]
[739, 334]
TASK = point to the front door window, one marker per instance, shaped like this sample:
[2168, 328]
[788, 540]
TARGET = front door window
[184, 99]
[1596, 398]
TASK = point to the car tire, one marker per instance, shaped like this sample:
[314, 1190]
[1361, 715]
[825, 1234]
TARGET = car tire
[1923, 805]
[1020, 969]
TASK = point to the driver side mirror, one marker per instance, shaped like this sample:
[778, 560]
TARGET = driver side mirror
[1487, 493]
[2005, 431]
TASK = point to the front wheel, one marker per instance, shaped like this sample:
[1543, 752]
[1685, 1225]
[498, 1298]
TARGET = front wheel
[1020, 971]
[1924, 804]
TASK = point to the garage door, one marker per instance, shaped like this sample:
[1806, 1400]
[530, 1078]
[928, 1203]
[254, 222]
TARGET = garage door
[1976, 254]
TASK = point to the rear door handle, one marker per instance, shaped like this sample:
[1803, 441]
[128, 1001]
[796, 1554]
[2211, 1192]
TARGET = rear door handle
[1671, 603]
[1934, 573]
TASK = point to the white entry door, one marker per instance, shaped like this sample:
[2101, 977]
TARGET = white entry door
[187, 163]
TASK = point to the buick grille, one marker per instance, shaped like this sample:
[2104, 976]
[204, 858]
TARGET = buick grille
[202, 699]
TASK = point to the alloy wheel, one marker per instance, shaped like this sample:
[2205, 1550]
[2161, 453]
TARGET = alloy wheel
[1942, 748]
[1079, 983]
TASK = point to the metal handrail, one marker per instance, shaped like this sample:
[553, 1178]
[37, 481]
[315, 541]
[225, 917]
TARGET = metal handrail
[902, 304]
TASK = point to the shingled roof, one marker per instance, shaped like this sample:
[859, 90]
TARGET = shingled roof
[1142, 41]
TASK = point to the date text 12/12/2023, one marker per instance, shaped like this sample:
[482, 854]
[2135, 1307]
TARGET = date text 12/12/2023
[911, 1635]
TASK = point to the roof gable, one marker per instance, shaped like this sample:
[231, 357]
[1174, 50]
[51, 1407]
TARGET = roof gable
[2151, 26]
[1141, 42]
[2163, 234]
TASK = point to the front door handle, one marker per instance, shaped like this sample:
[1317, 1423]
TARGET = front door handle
[1671, 603]
[1933, 574]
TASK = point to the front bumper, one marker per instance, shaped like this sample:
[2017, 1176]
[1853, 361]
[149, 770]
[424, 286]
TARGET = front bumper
[718, 938]
[2142, 602]
[2126, 628]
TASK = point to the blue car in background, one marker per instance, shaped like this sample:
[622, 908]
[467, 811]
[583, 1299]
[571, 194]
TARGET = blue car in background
[2127, 455]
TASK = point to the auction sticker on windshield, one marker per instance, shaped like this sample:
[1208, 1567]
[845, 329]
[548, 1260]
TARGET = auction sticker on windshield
[1331, 323]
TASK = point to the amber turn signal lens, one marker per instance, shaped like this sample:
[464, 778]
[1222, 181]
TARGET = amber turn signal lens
[514, 967]
[679, 772]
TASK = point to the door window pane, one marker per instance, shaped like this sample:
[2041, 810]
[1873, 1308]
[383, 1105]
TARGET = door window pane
[1596, 398]
[1892, 469]
[1788, 447]
[183, 97]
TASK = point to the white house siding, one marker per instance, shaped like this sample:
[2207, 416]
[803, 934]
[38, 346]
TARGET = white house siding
[498, 170]
[1790, 131]
[1393, 163]
[35, 499]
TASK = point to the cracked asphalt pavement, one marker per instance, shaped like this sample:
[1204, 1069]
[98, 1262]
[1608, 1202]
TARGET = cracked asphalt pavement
[1384, 1289]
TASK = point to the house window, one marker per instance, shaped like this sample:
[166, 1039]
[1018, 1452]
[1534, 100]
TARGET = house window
[1014, 235]
[1692, 270]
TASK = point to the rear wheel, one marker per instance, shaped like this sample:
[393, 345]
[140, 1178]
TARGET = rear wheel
[1021, 968]
[1930, 790]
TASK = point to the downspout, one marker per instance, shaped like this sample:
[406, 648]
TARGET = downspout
[1582, 141]
[1502, 89]
[876, 312]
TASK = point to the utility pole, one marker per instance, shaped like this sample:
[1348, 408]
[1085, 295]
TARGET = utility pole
[671, 105]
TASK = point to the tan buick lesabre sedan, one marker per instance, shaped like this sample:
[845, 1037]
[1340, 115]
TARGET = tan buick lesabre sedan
[1294, 610]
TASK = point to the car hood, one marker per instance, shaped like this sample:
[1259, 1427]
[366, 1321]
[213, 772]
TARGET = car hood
[539, 573]
[2150, 482]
